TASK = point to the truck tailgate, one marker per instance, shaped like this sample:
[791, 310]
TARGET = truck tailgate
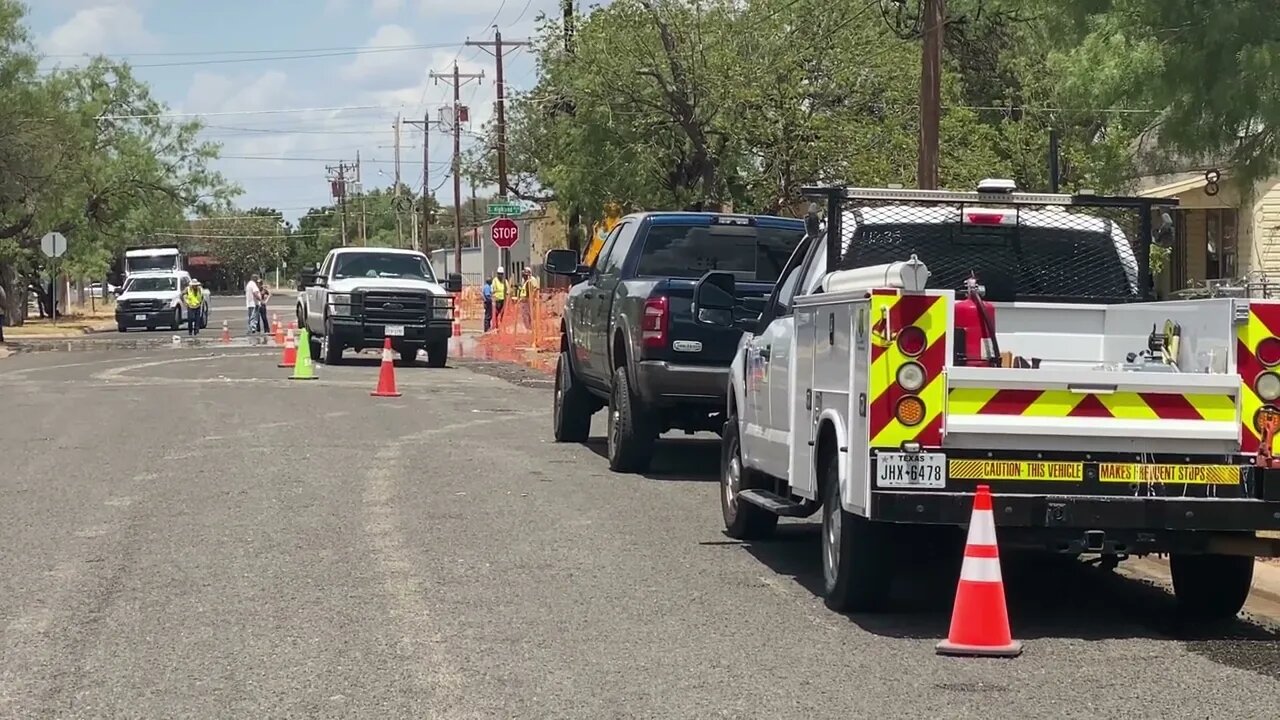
[1091, 410]
[717, 344]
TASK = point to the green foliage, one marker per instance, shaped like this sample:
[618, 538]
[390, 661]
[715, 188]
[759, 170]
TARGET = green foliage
[66, 164]
[667, 104]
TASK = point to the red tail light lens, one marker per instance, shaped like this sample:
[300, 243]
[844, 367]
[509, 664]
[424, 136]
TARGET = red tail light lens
[653, 326]
[1268, 352]
[911, 341]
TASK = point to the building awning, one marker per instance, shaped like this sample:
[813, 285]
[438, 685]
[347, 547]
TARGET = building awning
[201, 261]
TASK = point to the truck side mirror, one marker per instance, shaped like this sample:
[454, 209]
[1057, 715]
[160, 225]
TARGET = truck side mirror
[561, 262]
[453, 283]
[713, 299]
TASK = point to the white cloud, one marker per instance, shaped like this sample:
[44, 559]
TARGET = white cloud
[435, 8]
[101, 29]
[382, 70]
[386, 8]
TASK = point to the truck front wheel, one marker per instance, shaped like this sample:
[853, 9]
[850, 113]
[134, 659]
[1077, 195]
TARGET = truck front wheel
[438, 353]
[571, 405]
[331, 349]
[631, 432]
[742, 520]
[856, 568]
[1210, 587]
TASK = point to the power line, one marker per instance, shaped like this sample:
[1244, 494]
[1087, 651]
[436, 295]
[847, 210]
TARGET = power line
[317, 159]
[273, 58]
[186, 53]
[335, 108]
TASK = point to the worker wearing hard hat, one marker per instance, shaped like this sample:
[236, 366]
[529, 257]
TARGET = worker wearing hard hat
[526, 292]
[193, 298]
[499, 288]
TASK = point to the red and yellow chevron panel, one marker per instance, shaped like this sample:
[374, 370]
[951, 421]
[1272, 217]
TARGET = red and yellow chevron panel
[889, 314]
[1064, 403]
[1263, 323]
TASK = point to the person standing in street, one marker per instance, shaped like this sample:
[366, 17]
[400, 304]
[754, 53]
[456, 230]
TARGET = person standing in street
[263, 321]
[499, 287]
[193, 298]
[528, 290]
[252, 298]
[486, 293]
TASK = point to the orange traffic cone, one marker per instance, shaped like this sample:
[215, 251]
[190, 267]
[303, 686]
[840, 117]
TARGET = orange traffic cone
[226, 333]
[980, 619]
[386, 374]
[279, 333]
[290, 351]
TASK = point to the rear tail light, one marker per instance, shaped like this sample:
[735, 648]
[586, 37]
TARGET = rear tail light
[653, 326]
[911, 341]
[909, 410]
[1267, 385]
[911, 376]
[1268, 352]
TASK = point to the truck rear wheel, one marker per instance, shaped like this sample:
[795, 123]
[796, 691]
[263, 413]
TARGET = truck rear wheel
[631, 432]
[742, 520]
[570, 406]
[856, 567]
[1210, 587]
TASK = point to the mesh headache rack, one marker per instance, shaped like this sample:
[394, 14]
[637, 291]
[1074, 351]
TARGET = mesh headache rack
[1081, 248]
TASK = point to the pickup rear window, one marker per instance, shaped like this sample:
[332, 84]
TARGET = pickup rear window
[751, 253]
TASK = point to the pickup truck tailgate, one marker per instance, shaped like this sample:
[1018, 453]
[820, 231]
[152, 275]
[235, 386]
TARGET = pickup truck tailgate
[1090, 410]
[717, 343]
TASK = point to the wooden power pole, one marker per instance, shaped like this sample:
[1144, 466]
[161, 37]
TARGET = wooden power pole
[457, 79]
[428, 197]
[934, 13]
[499, 48]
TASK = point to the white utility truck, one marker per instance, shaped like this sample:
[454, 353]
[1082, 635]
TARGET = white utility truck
[362, 295]
[956, 338]
[161, 258]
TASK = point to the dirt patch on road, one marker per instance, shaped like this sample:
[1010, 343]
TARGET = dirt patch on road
[511, 372]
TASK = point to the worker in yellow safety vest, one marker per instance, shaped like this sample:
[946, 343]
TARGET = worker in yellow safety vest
[498, 286]
[193, 298]
[526, 292]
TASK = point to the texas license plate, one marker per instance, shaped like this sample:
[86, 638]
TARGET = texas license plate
[395, 331]
[139, 317]
[923, 470]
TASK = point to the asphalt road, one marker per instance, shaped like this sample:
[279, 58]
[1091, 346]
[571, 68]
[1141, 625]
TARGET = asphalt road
[186, 533]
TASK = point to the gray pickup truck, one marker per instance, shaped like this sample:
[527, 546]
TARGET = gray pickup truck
[628, 337]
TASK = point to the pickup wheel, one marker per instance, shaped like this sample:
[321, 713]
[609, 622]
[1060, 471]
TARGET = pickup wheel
[315, 346]
[856, 567]
[742, 520]
[571, 405]
[1210, 587]
[631, 431]
[438, 353]
[330, 350]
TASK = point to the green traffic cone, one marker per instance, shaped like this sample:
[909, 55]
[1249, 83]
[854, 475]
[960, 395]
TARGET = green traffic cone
[303, 368]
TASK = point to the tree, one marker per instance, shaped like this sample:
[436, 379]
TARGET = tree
[87, 152]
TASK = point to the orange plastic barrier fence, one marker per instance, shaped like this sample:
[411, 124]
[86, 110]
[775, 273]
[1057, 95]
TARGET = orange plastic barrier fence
[525, 331]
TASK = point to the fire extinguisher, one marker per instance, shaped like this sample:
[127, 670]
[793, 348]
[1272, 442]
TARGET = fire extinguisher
[975, 322]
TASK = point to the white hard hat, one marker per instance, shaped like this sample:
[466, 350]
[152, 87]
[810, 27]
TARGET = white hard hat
[501, 271]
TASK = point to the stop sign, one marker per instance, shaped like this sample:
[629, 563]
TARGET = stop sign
[504, 233]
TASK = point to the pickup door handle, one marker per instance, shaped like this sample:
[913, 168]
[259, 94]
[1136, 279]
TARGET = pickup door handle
[764, 352]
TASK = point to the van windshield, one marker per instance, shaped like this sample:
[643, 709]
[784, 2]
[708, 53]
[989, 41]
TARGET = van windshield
[751, 253]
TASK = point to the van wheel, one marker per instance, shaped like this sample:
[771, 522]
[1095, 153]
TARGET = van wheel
[742, 520]
[856, 567]
[631, 432]
[571, 405]
[1210, 587]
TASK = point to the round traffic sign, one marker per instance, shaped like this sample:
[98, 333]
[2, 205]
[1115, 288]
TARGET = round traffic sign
[504, 233]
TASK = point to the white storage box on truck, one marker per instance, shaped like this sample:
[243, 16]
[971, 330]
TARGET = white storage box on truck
[1009, 339]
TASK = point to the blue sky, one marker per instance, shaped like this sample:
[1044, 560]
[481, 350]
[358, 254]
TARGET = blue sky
[207, 56]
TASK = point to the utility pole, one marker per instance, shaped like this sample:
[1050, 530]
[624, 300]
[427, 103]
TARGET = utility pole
[428, 197]
[364, 238]
[934, 13]
[498, 48]
[395, 197]
[337, 176]
[457, 79]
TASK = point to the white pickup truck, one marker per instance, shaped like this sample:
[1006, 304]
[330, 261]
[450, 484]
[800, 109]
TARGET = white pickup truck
[154, 299]
[960, 338]
[361, 295]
